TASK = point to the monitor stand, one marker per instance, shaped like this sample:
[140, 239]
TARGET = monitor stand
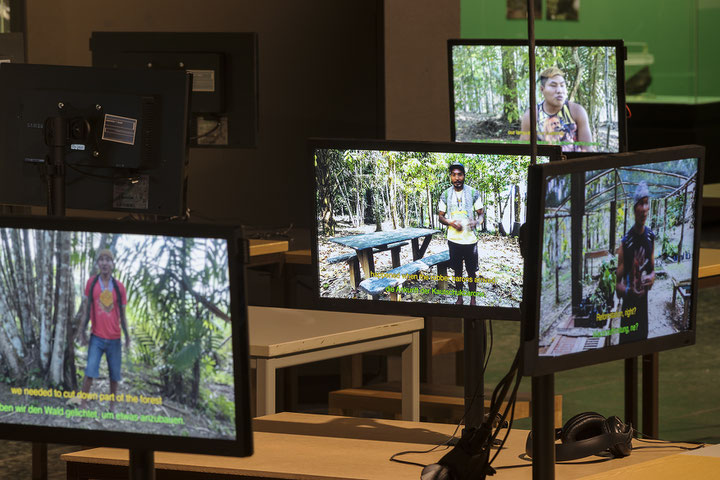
[142, 464]
[55, 168]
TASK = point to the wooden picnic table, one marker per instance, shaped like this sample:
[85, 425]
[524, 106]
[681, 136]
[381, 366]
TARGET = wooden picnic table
[364, 244]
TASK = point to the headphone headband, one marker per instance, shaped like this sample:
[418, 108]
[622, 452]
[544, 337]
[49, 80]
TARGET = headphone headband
[618, 442]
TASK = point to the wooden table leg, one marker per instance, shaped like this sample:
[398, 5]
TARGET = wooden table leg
[411, 380]
[366, 262]
[265, 387]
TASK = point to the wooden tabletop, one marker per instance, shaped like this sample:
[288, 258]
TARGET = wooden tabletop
[365, 241]
[303, 446]
[284, 331]
[711, 195]
[709, 262]
[266, 247]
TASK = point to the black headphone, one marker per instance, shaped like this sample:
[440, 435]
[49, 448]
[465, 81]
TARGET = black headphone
[588, 434]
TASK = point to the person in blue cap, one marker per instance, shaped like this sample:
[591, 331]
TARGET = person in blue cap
[636, 269]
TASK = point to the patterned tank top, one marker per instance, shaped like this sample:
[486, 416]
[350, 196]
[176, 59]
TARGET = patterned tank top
[558, 129]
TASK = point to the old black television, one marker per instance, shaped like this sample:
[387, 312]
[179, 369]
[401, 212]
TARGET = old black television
[611, 269]
[581, 103]
[405, 266]
[125, 141]
[224, 68]
[184, 379]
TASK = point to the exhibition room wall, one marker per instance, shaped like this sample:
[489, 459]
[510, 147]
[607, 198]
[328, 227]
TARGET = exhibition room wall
[321, 72]
[681, 34]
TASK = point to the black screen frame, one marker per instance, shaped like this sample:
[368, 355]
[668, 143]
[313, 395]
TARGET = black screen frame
[25, 183]
[532, 363]
[237, 256]
[240, 74]
[408, 308]
[620, 57]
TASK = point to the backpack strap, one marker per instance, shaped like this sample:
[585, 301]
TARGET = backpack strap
[90, 293]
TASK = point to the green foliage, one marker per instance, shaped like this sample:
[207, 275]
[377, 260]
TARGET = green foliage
[669, 249]
[173, 326]
[407, 184]
[606, 283]
[493, 80]
[675, 214]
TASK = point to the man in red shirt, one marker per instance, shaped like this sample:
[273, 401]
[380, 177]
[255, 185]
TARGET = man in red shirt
[105, 307]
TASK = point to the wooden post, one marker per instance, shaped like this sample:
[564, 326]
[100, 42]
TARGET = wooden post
[682, 226]
[613, 220]
[577, 209]
[557, 262]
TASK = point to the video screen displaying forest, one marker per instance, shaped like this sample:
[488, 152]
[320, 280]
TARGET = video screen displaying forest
[490, 92]
[177, 371]
[379, 236]
[632, 234]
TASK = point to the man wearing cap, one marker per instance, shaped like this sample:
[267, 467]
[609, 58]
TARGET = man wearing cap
[461, 209]
[105, 308]
[636, 269]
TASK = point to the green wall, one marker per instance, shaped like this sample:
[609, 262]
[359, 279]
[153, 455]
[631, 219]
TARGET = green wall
[683, 35]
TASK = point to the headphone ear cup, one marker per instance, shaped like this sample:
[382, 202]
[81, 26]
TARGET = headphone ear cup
[583, 426]
[623, 446]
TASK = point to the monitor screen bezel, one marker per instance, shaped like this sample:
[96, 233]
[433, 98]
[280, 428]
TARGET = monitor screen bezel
[237, 251]
[408, 308]
[620, 64]
[534, 364]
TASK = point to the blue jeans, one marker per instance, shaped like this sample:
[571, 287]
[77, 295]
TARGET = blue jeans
[113, 352]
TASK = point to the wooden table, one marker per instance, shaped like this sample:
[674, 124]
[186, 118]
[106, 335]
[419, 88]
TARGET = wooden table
[304, 447]
[267, 247]
[365, 243]
[282, 337]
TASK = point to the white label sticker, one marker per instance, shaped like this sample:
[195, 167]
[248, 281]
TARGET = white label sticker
[203, 80]
[119, 129]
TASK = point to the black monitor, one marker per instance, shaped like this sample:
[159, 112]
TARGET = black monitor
[224, 67]
[125, 137]
[379, 244]
[612, 261]
[580, 93]
[182, 382]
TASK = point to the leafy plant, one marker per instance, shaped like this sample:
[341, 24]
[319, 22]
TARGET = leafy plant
[669, 249]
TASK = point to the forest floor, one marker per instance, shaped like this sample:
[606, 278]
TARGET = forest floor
[135, 413]
[499, 261]
[663, 317]
[474, 127]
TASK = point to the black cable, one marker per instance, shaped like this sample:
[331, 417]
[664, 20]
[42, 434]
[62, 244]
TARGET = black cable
[457, 427]
[102, 177]
[211, 131]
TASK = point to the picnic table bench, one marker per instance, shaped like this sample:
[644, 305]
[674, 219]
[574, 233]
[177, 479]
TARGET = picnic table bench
[367, 244]
[397, 276]
[352, 260]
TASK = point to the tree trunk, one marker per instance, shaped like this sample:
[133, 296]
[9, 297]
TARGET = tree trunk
[62, 315]
[510, 91]
[43, 261]
[9, 342]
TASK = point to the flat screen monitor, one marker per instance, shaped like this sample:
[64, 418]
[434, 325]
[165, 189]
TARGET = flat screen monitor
[124, 141]
[224, 68]
[124, 334]
[580, 93]
[405, 227]
[611, 269]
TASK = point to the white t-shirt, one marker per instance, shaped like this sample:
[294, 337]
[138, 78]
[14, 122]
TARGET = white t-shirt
[457, 210]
